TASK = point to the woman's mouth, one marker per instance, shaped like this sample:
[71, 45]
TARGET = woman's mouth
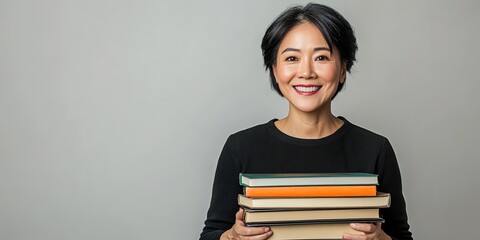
[306, 89]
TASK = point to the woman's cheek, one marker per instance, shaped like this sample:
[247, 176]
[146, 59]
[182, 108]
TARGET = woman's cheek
[286, 74]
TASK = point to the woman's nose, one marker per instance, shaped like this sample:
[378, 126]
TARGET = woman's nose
[306, 70]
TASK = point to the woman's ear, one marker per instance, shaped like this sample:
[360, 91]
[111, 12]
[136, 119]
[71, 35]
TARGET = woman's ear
[274, 70]
[343, 73]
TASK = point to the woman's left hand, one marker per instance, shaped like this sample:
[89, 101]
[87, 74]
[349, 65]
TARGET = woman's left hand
[373, 231]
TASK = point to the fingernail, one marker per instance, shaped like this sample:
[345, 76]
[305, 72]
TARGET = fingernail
[352, 225]
[267, 229]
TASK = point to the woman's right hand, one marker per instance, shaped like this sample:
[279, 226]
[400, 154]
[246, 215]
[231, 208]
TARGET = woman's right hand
[240, 231]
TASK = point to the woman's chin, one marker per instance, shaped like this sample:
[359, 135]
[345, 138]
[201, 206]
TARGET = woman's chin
[307, 108]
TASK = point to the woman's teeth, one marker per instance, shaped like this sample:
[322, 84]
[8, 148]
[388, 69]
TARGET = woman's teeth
[307, 89]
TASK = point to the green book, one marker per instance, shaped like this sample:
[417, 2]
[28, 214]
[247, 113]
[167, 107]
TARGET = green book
[306, 179]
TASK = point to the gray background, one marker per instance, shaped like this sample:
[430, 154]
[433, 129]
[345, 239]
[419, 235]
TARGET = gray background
[113, 113]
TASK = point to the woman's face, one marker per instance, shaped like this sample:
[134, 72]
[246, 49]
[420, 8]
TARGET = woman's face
[308, 71]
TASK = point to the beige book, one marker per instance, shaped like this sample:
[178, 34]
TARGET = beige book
[273, 216]
[311, 231]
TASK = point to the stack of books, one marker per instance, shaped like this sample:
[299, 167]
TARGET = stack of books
[311, 206]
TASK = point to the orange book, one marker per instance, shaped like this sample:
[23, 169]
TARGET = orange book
[312, 191]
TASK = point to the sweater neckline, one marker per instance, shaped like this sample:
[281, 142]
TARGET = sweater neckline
[308, 142]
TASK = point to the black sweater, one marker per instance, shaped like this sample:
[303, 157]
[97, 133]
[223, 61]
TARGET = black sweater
[265, 149]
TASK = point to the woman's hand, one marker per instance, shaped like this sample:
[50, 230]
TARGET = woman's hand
[372, 232]
[240, 231]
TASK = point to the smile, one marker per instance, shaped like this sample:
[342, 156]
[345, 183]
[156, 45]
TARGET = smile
[306, 90]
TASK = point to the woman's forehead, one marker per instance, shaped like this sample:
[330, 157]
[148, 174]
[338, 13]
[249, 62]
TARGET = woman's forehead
[305, 35]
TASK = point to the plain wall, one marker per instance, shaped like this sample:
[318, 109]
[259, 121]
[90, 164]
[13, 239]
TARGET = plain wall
[113, 113]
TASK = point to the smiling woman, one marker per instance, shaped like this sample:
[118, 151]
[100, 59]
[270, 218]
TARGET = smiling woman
[308, 51]
[307, 71]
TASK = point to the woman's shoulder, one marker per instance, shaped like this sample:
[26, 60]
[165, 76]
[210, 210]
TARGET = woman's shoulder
[254, 132]
[358, 133]
[251, 136]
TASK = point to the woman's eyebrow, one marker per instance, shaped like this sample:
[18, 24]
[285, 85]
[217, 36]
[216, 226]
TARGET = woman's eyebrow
[315, 49]
[290, 50]
[322, 49]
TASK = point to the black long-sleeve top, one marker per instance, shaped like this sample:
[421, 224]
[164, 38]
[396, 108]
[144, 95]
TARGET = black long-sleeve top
[265, 149]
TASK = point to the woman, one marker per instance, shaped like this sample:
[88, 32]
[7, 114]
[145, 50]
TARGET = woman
[308, 52]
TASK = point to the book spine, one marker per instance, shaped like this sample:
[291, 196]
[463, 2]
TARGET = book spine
[311, 191]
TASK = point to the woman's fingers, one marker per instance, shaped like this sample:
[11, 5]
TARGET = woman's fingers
[370, 231]
[254, 233]
[239, 214]
[364, 227]
[354, 237]
[250, 231]
[261, 236]
[240, 229]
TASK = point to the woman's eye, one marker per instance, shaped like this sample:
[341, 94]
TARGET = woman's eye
[321, 58]
[291, 59]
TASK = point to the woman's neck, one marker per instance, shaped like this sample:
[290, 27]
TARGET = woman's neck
[309, 125]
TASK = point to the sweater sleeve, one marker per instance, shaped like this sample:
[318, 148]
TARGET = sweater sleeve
[396, 222]
[223, 204]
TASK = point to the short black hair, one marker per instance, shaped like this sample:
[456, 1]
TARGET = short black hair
[334, 27]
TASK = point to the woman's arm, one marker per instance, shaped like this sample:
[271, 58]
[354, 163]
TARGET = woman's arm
[390, 181]
[223, 204]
